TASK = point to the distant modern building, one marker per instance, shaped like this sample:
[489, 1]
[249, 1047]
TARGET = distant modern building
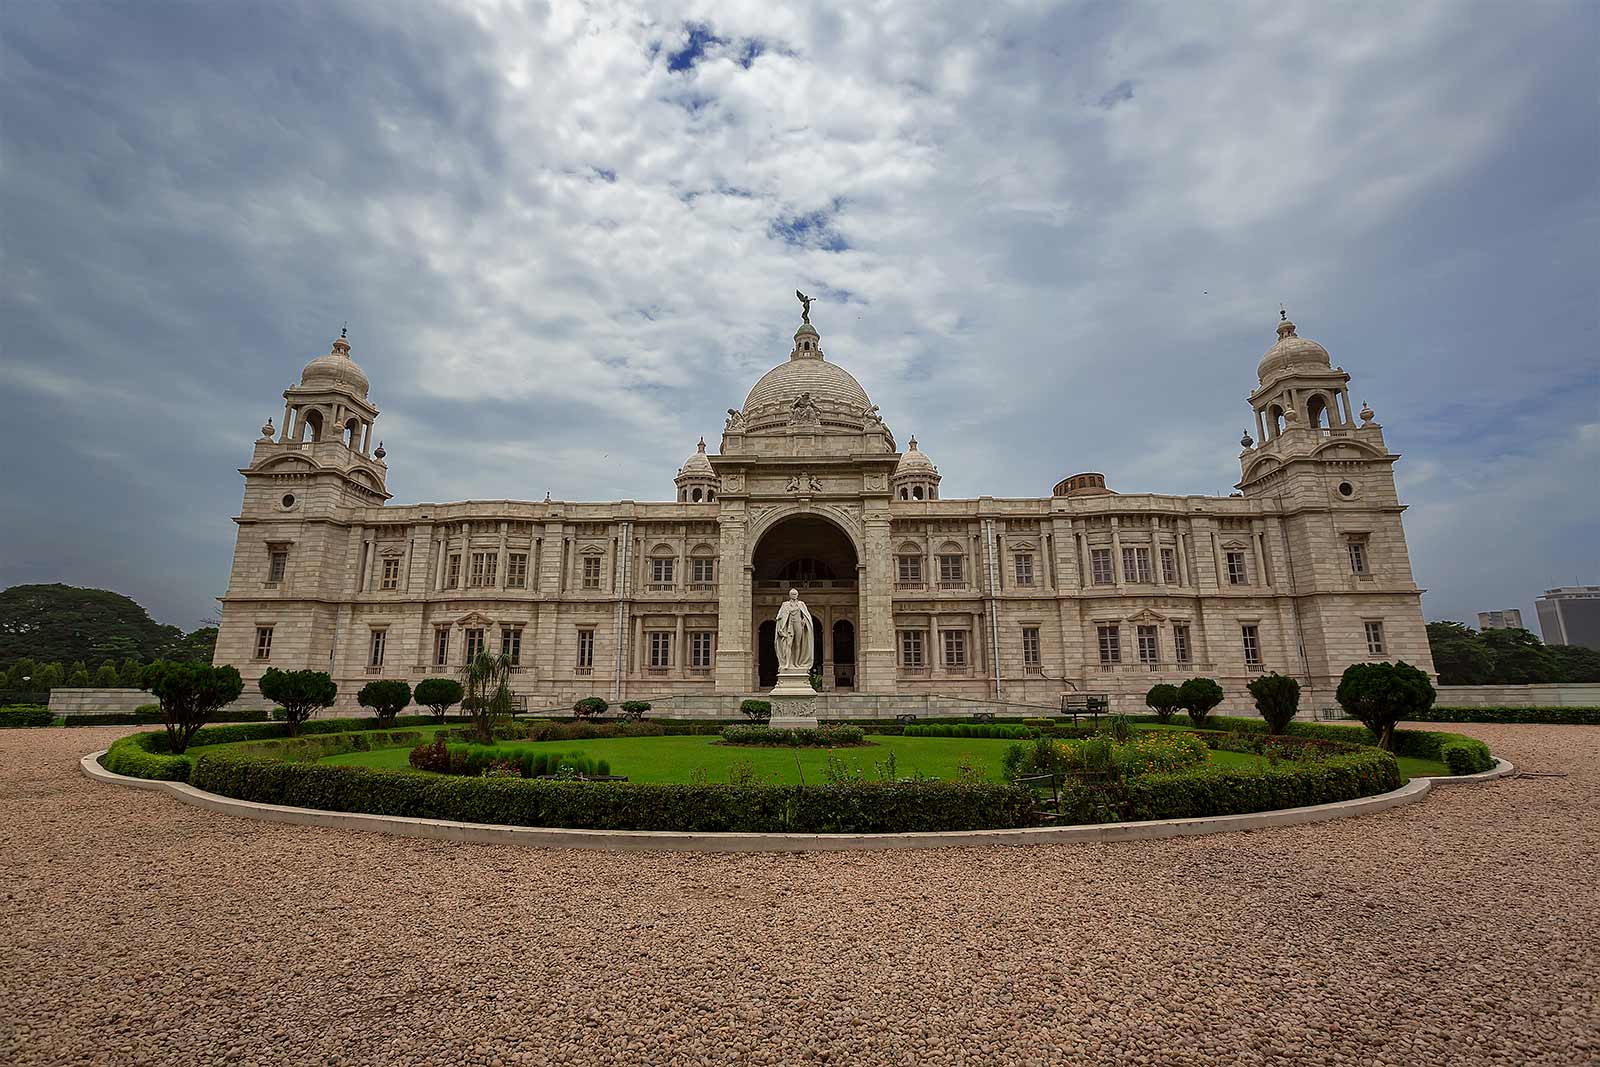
[1509, 619]
[1570, 615]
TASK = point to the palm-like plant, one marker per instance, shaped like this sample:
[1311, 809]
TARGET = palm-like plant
[486, 682]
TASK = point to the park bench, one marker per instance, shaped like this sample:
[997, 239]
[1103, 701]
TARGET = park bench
[983, 716]
[905, 719]
[1091, 704]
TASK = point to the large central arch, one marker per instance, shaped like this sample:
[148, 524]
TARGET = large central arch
[810, 553]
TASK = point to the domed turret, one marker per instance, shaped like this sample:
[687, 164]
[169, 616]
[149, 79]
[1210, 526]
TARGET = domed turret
[336, 370]
[1291, 353]
[915, 476]
[696, 480]
[805, 389]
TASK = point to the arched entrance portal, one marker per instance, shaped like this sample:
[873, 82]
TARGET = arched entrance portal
[813, 555]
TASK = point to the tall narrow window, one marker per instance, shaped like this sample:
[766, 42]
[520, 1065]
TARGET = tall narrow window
[484, 565]
[661, 571]
[474, 643]
[1024, 567]
[1136, 563]
[441, 645]
[1180, 642]
[585, 651]
[1252, 645]
[911, 649]
[391, 572]
[380, 638]
[909, 570]
[263, 642]
[591, 572]
[1149, 645]
[1169, 566]
[1110, 644]
[955, 649]
[452, 578]
[700, 649]
[1236, 572]
[1358, 557]
[277, 564]
[660, 648]
[517, 570]
[1031, 660]
[1375, 645]
[950, 570]
[1100, 566]
[702, 571]
[511, 644]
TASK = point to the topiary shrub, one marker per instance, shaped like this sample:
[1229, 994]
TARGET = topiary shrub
[1198, 696]
[820, 737]
[190, 693]
[1378, 695]
[301, 693]
[387, 698]
[1164, 700]
[439, 694]
[589, 707]
[1277, 699]
[1466, 755]
[633, 710]
[757, 711]
[20, 715]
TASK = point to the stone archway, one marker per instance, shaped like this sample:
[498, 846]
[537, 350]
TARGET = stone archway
[811, 553]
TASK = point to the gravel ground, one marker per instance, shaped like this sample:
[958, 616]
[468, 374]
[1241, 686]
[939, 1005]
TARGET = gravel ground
[1460, 930]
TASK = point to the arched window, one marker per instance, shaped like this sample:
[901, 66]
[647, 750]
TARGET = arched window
[916, 492]
[711, 494]
[905, 494]
[1317, 411]
[695, 496]
[1275, 419]
[311, 426]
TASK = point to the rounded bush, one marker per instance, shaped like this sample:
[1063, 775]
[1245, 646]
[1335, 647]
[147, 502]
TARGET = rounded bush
[590, 706]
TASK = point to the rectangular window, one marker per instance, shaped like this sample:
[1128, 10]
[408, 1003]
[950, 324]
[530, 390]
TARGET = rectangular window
[1031, 659]
[1236, 572]
[1110, 644]
[1252, 645]
[391, 572]
[1136, 564]
[484, 566]
[453, 572]
[263, 642]
[1358, 557]
[591, 572]
[474, 644]
[1100, 566]
[1180, 642]
[511, 644]
[910, 569]
[517, 570]
[955, 649]
[1024, 568]
[379, 639]
[949, 570]
[277, 564]
[661, 571]
[586, 650]
[441, 645]
[911, 649]
[1169, 566]
[700, 648]
[660, 648]
[1149, 645]
[702, 571]
[1375, 645]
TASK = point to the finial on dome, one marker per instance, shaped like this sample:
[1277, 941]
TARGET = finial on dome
[547, 496]
[701, 447]
[267, 431]
[1285, 327]
[912, 444]
[1245, 440]
[341, 344]
[379, 452]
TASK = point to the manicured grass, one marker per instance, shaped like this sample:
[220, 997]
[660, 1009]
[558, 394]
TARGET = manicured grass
[1409, 767]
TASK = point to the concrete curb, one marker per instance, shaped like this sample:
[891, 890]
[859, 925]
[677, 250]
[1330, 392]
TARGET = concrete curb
[654, 840]
[1501, 769]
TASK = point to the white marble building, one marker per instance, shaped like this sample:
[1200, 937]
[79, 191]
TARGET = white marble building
[1303, 571]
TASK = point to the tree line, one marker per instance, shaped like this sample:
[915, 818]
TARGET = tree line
[62, 635]
[1464, 656]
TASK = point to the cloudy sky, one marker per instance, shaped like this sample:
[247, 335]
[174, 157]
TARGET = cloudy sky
[566, 237]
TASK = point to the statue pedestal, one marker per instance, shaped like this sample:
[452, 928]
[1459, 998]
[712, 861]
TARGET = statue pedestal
[794, 702]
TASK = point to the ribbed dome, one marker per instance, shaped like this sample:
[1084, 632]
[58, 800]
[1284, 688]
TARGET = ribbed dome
[805, 371]
[336, 370]
[1291, 353]
[697, 463]
[913, 461]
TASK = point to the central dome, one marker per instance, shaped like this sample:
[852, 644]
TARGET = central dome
[805, 371]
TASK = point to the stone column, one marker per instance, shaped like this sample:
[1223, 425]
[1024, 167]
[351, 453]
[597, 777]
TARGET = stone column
[1118, 572]
[735, 639]
[500, 561]
[680, 653]
[875, 637]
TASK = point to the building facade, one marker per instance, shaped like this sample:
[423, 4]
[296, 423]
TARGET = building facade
[1302, 571]
[1509, 619]
[1570, 615]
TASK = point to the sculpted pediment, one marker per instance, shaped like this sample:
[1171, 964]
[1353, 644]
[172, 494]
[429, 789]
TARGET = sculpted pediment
[1147, 616]
[474, 618]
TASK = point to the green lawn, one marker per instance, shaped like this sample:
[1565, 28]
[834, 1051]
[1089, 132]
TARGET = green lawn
[1409, 767]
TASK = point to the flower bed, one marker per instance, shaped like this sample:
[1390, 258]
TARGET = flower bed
[958, 729]
[803, 737]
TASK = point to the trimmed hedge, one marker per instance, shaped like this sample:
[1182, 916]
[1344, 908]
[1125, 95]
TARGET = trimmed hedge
[1205, 792]
[866, 807]
[1561, 715]
[803, 737]
[150, 715]
[1417, 744]
[1003, 730]
[144, 756]
[20, 715]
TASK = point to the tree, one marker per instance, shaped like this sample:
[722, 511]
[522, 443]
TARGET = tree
[63, 622]
[1164, 700]
[21, 675]
[587, 707]
[486, 685]
[1198, 696]
[1277, 699]
[107, 677]
[301, 694]
[387, 698]
[78, 679]
[78, 667]
[1575, 663]
[1459, 654]
[189, 694]
[50, 676]
[1378, 695]
[438, 694]
[1520, 658]
[198, 646]
[128, 675]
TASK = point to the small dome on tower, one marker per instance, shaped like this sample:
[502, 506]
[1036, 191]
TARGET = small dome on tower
[697, 463]
[336, 370]
[1291, 353]
[913, 461]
